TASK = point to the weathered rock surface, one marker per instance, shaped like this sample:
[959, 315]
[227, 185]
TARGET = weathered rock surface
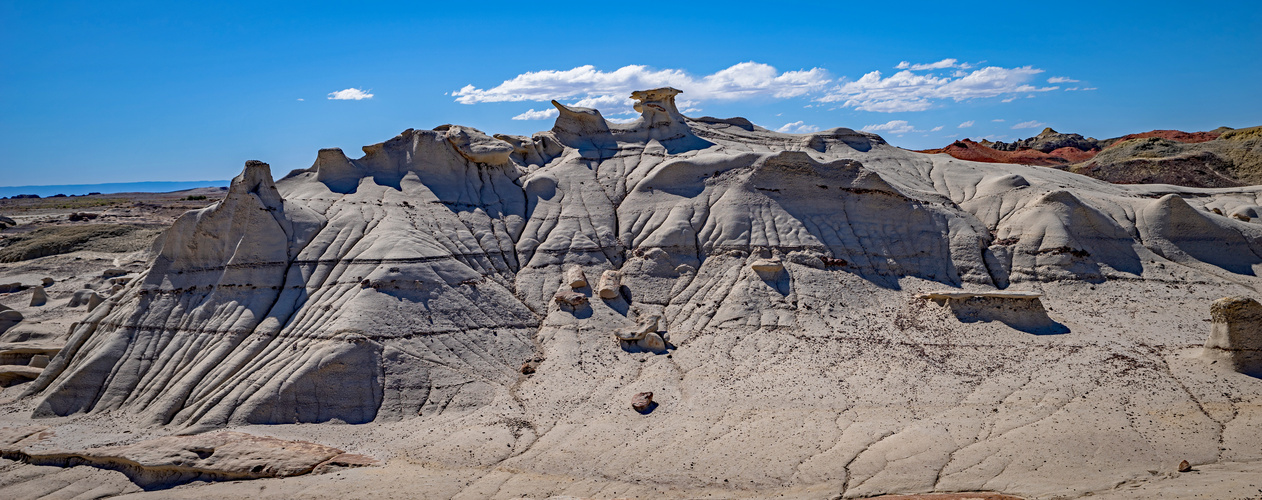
[172, 460]
[1236, 334]
[401, 291]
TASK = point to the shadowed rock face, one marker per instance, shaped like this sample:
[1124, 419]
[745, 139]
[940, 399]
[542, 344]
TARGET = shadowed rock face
[1236, 335]
[411, 284]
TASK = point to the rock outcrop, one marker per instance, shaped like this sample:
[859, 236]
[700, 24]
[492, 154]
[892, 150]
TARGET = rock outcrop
[1235, 337]
[174, 460]
[403, 289]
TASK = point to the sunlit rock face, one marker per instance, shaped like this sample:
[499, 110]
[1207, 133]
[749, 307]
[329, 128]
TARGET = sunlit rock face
[779, 272]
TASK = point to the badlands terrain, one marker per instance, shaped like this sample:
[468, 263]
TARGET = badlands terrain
[1223, 157]
[457, 315]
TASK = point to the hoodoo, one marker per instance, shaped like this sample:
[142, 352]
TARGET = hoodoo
[435, 292]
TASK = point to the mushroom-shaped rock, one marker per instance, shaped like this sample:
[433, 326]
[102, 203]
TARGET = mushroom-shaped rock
[610, 284]
[38, 296]
[1236, 334]
[642, 402]
[575, 277]
[772, 265]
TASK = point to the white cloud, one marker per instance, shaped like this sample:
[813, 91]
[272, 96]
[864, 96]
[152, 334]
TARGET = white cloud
[351, 94]
[1080, 88]
[1029, 124]
[966, 124]
[300, 99]
[907, 91]
[1061, 79]
[623, 120]
[998, 120]
[798, 127]
[587, 86]
[537, 115]
[937, 128]
[892, 126]
[945, 63]
[917, 87]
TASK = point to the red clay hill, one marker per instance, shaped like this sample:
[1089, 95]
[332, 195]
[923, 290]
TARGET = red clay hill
[1222, 157]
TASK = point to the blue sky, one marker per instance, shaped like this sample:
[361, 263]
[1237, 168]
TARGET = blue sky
[147, 91]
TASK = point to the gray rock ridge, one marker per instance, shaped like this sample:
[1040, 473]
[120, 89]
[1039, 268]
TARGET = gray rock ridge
[411, 283]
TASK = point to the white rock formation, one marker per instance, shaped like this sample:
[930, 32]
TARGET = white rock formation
[1236, 335]
[576, 277]
[406, 287]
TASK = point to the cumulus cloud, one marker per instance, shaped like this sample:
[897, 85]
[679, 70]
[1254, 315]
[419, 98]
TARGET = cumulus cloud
[917, 87]
[1061, 79]
[945, 63]
[798, 127]
[908, 91]
[966, 124]
[587, 86]
[892, 126]
[537, 115]
[937, 128]
[351, 94]
[1029, 124]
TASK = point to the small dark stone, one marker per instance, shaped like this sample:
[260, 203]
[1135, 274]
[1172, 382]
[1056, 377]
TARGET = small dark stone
[1184, 466]
[527, 368]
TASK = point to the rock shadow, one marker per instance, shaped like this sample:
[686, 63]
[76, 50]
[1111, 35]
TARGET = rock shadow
[652, 406]
[1026, 315]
